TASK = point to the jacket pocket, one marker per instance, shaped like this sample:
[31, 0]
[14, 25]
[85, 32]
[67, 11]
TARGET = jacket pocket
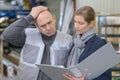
[30, 53]
[61, 56]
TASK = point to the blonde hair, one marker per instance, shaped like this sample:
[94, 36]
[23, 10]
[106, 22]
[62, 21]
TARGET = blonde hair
[87, 12]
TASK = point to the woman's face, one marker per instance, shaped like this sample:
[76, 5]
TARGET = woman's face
[81, 26]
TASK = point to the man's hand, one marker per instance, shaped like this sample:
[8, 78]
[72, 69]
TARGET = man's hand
[70, 77]
[37, 10]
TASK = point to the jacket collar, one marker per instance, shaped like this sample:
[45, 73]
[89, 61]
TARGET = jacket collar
[87, 51]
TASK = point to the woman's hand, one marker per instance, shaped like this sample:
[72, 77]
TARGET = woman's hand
[70, 77]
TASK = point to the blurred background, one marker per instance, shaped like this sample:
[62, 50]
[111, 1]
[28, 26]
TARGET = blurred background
[107, 26]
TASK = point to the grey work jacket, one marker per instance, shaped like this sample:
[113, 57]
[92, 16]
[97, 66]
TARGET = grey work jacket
[33, 47]
[32, 53]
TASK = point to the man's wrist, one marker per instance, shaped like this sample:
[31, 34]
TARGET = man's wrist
[30, 19]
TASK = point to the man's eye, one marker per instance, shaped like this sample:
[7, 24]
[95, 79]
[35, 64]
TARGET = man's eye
[50, 22]
[42, 26]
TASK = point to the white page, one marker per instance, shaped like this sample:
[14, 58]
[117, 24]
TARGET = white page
[94, 65]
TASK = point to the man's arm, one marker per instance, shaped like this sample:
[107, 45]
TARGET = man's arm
[15, 34]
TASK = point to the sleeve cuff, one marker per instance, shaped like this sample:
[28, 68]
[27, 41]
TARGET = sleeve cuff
[29, 19]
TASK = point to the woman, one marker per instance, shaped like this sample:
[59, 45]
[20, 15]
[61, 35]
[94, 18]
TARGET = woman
[86, 41]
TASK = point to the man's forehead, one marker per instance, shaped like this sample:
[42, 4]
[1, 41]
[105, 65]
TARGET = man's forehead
[45, 12]
[44, 17]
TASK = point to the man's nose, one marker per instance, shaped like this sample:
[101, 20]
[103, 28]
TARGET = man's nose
[47, 26]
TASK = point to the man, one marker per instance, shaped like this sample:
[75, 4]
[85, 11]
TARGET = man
[41, 45]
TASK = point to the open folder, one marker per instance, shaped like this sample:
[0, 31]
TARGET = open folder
[93, 66]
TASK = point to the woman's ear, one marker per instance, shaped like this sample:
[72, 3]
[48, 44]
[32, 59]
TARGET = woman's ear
[54, 18]
[92, 23]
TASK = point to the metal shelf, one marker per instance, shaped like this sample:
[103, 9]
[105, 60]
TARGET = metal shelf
[102, 22]
[116, 69]
[117, 25]
[110, 35]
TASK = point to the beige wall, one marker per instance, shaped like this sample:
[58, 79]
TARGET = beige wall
[54, 6]
[103, 6]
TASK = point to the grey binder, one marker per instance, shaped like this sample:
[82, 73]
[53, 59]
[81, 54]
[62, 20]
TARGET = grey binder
[94, 65]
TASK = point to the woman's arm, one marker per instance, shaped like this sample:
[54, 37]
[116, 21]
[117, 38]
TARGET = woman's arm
[70, 77]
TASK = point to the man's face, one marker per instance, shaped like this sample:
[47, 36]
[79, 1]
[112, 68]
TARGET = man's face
[46, 23]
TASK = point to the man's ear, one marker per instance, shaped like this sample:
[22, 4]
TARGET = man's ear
[36, 25]
[54, 18]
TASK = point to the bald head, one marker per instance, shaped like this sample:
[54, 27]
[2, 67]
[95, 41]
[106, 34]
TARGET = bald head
[44, 15]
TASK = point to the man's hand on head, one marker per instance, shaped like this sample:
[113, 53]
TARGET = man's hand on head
[37, 10]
